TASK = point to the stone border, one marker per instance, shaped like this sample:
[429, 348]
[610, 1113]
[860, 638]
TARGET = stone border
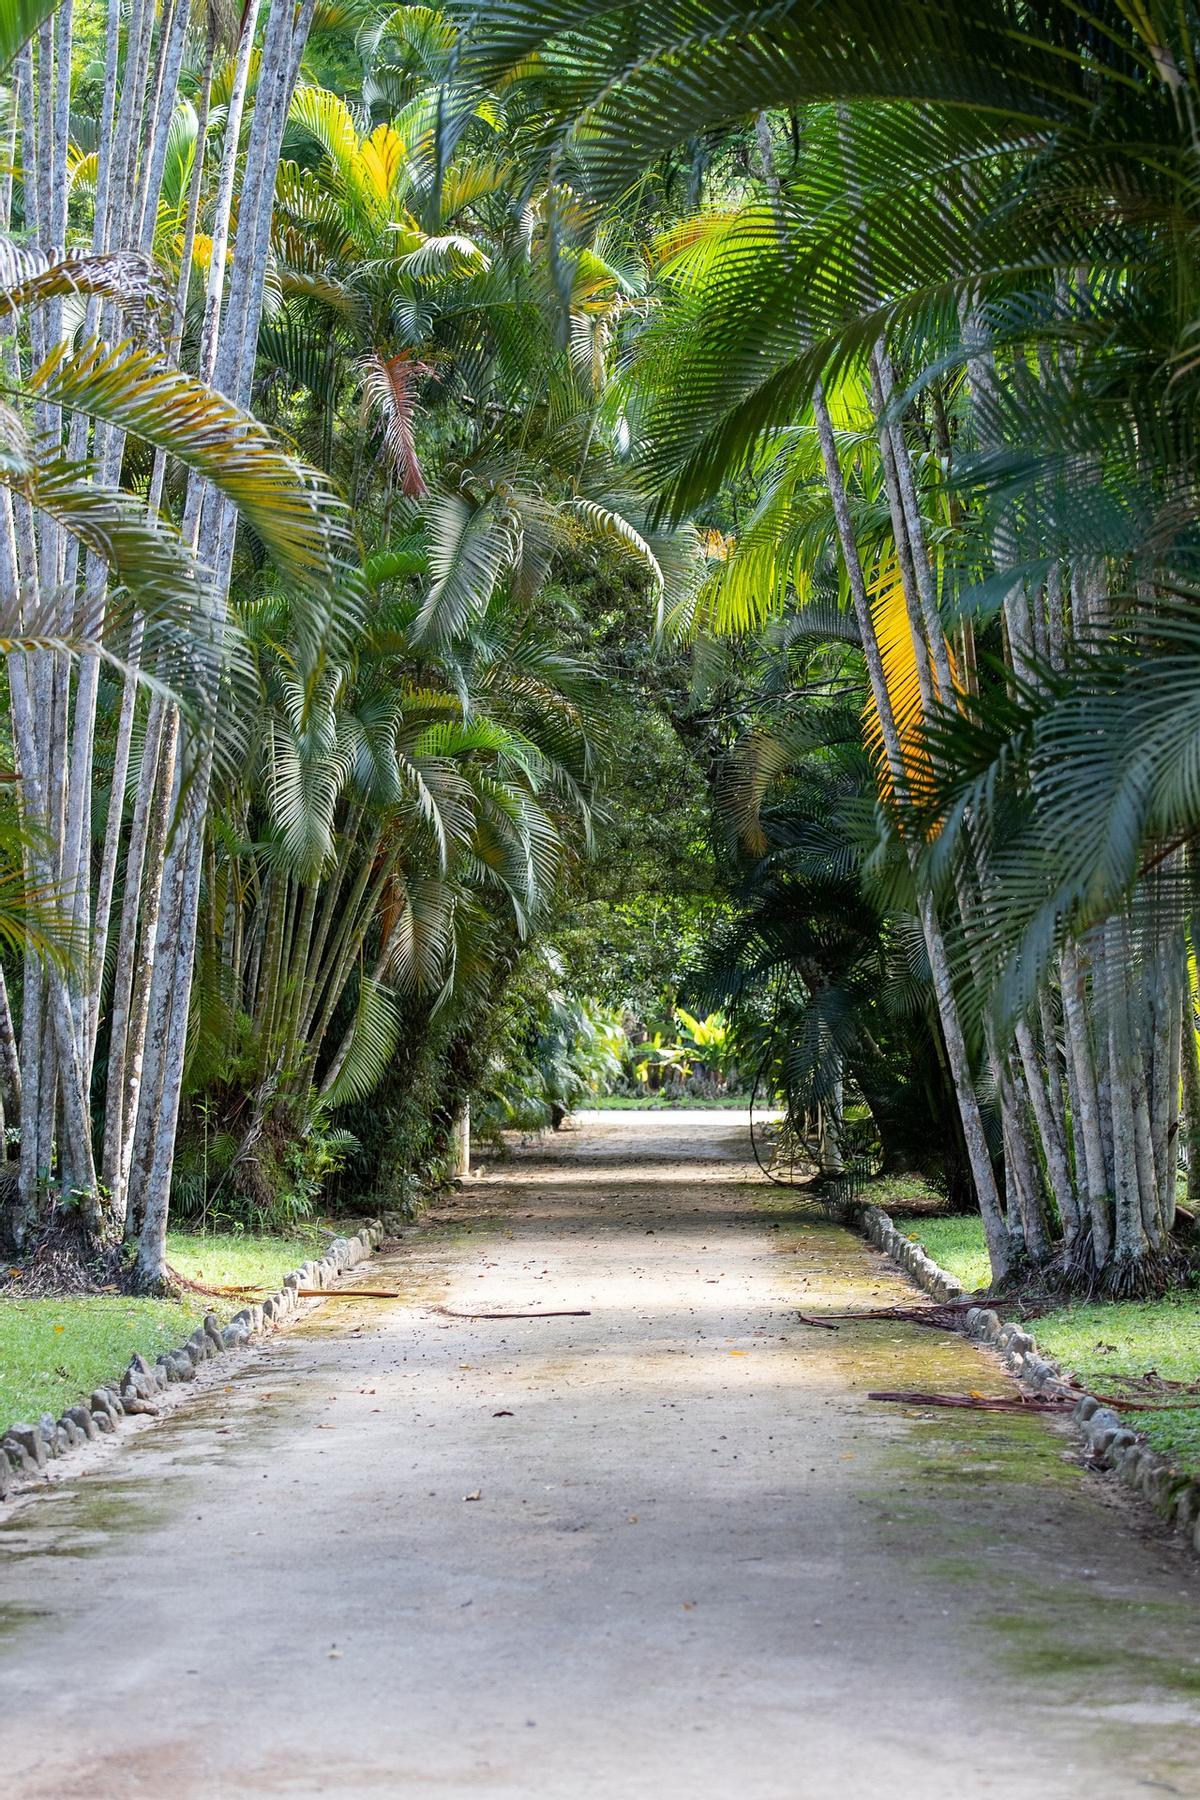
[26, 1449]
[1111, 1444]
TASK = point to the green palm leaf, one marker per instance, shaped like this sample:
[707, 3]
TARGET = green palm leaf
[375, 1035]
[290, 507]
[467, 548]
[19, 19]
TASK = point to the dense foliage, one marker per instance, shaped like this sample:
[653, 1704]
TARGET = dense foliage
[559, 548]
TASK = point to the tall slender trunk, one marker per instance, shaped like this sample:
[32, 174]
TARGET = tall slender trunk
[283, 44]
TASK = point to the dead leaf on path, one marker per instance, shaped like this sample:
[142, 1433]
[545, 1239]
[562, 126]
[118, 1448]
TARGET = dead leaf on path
[633, 1518]
[330, 1427]
[477, 1495]
[333, 1654]
[739, 1353]
[689, 1606]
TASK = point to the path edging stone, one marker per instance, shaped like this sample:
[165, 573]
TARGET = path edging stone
[1111, 1443]
[25, 1449]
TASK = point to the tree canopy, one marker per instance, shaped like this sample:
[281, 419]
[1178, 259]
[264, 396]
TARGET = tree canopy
[551, 545]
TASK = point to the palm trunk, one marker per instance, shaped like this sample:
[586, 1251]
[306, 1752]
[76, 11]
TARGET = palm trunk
[283, 45]
[1094, 1163]
[974, 1135]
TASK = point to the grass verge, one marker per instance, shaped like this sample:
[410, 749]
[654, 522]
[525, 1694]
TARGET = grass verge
[1128, 1338]
[54, 1351]
[955, 1243]
[1100, 1341]
[902, 1194]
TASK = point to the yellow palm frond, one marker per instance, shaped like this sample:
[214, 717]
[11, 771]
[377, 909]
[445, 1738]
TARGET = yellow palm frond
[382, 160]
[82, 167]
[898, 653]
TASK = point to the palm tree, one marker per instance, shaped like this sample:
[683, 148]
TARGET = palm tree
[998, 269]
[822, 964]
[96, 569]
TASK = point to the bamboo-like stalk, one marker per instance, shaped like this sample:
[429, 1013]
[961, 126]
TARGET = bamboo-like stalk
[10, 1059]
[306, 997]
[1051, 1129]
[1190, 1062]
[298, 972]
[286, 34]
[131, 999]
[1130, 1244]
[339, 1056]
[1087, 1109]
[1174, 1075]
[353, 926]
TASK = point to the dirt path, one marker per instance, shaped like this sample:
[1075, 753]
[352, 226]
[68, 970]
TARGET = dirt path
[699, 1564]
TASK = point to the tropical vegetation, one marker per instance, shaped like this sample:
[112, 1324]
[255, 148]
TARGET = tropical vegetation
[561, 548]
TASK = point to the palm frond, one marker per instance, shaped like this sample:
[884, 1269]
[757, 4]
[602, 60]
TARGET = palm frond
[374, 1037]
[291, 508]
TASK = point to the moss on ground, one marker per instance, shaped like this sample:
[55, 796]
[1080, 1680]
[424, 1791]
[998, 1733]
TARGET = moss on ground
[1108, 1344]
[1050, 1649]
[54, 1351]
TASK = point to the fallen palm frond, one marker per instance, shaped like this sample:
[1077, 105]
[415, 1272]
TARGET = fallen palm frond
[985, 1402]
[573, 1313]
[942, 1317]
[241, 1291]
[1056, 1403]
[1151, 1382]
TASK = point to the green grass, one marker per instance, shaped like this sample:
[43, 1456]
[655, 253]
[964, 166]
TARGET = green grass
[902, 1193]
[1128, 1337]
[222, 1260]
[54, 1351]
[956, 1244]
[1097, 1341]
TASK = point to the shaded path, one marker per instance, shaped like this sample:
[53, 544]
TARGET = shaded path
[701, 1564]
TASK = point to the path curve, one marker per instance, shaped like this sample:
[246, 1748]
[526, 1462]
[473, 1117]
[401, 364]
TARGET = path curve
[669, 1550]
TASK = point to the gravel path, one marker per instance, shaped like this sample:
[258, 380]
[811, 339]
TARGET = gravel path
[669, 1551]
